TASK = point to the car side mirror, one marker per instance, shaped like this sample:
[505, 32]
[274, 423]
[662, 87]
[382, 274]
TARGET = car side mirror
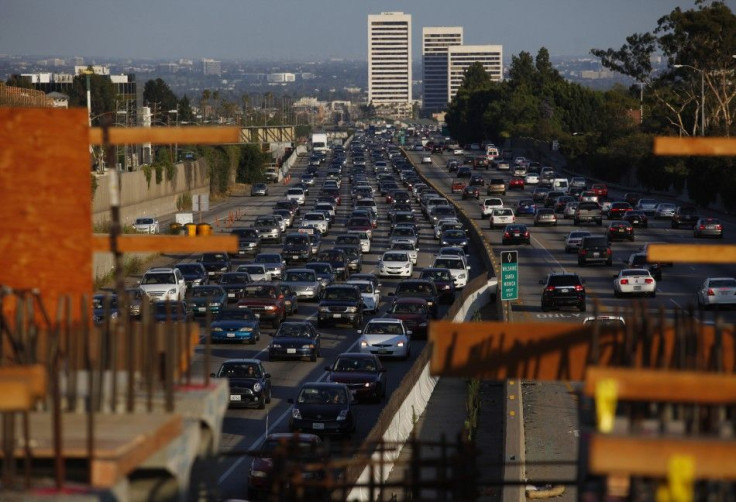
[267, 375]
[359, 331]
[408, 333]
[328, 368]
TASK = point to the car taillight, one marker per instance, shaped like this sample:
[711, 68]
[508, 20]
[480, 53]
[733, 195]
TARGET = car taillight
[526, 234]
[648, 281]
[583, 251]
[624, 281]
[506, 234]
[549, 288]
[608, 251]
[718, 227]
[579, 287]
[710, 292]
[702, 227]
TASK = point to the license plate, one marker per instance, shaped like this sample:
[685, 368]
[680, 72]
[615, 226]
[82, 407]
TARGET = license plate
[234, 397]
[202, 309]
[231, 335]
[291, 351]
[231, 295]
[637, 288]
[318, 426]
[337, 316]
[517, 235]
[620, 230]
[596, 255]
[295, 257]
[210, 273]
[564, 290]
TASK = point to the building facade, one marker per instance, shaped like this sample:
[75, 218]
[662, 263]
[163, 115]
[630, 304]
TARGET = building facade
[389, 60]
[435, 42]
[211, 67]
[459, 59]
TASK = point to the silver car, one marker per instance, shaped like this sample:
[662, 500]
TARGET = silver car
[717, 291]
[665, 210]
[304, 282]
[573, 240]
[649, 206]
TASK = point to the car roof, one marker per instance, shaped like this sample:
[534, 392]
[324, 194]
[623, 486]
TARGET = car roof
[242, 360]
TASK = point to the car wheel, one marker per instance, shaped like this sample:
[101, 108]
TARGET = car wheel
[268, 398]
[313, 357]
[545, 308]
[262, 402]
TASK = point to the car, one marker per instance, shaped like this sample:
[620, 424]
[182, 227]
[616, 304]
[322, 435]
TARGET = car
[443, 281]
[589, 196]
[515, 234]
[561, 202]
[618, 210]
[163, 283]
[403, 233]
[304, 282]
[426, 159]
[256, 271]
[249, 241]
[525, 207]
[578, 182]
[266, 302]
[516, 183]
[531, 179]
[235, 325]
[300, 453]
[637, 218]
[194, 274]
[501, 217]
[458, 186]
[685, 215]
[323, 408]
[413, 311]
[570, 209]
[395, 264]
[708, 227]
[307, 179]
[271, 175]
[606, 323]
[364, 375]
[717, 292]
[317, 220]
[545, 216]
[620, 230]
[339, 261]
[291, 299]
[455, 237]
[369, 292]
[446, 224]
[563, 289]
[419, 288]
[296, 248]
[595, 248]
[206, 298]
[634, 281]
[665, 210]
[385, 337]
[477, 181]
[358, 224]
[488, 204]
[405, 245]
[471, 192]
[146, 225]
[551, 198]
[452, 165]
[364, 239]
[250, 384]
[354, 256]
[464, 172]
[258, 189]
[639, 260]
[540, 194]
[458, 268]
[340, 303]
[104, 306]
[233, 283]
[600, 189]
[295, 340]
[573, 240]
[171, 311]
[215, 264]
[648, 206]
[298, 194]
[268, 228]
[496, 186]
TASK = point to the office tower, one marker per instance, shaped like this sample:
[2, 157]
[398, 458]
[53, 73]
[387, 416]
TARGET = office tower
[460, 57]
[435, 41]
[389, 59]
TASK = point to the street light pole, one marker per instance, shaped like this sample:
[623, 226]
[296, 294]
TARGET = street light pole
[176, 145]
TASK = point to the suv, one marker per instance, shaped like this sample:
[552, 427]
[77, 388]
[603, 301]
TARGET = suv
[562, 290]
[297, 248]
[419, 288]
[271, 175]
[341, 303]
[595, 248]
[685, 216]
[265, 300]
[588, 212]
[162, 284]
[496, 185]
[216, 264]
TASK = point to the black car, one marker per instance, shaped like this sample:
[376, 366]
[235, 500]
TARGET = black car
[455, 237]
[443, 281]
[194, 274]
[297, 248]
[637, 218]
[291, 299]
[563, 290]
[290, 204]
[516, 234]
[595, 248]
[323, 408]
[234, 284]
[216, 264]
[364, 375]
[295, 340]
[620, 230]
[324, 271]
[685, 216]
[250, 385]
[354, 255]
[419, 288]
[341, 303]
[104, 306]
[338, 259]
[249, 242]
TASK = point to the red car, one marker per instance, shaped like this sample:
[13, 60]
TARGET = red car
[516, 183]
[618, 210]
[458, 186]
[265, 300]
[600, 189]
[414, 312]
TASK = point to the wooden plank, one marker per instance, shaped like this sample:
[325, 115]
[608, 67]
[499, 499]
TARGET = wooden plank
[16, 395]
[648, 456]
[33, 374]
[665, 386]
[666, 145]
[692, 253]
[167, 135]
[130, 243]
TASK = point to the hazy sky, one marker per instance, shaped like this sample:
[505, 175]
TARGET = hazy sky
[310, 29]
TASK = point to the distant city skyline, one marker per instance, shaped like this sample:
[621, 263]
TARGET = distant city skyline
[310, 29]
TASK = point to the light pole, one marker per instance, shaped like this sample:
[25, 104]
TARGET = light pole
[702, 94]
[176, 146]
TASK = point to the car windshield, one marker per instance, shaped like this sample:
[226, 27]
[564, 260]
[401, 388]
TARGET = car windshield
[351, 364]
[413, 287]
[297, 240]
[722, 283]
[210, 257]
[206, 291]
[240, 370]
[364, 287]
[408, 308]
[190, 268]
[300, 276]
[437, 275]
[340, 294]
[455, 234]
[234, 278]
[236, 315]
[395, 257]
[405, 246]
[293, 330]
[253, 269]
[383, 328]
[320, 268]
[564, 280]
[98, 302]
[260, 291]
[159, 278]
[316, 395]
[448, 263]
[144, 221]
[268, 258]
[305, 450]
[633, 273]
[270, 222]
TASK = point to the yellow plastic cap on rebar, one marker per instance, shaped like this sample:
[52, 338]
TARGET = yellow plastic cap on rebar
[606, 397]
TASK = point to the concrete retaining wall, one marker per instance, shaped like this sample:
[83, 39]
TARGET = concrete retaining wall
[138, 198]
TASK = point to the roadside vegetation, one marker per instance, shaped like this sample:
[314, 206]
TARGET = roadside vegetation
[603, 133]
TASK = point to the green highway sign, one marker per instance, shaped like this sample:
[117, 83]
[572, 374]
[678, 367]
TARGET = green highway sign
[509, 275]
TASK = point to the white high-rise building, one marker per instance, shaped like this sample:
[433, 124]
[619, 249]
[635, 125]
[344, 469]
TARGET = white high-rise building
[389, 59]
[459, 59]
[435, 41]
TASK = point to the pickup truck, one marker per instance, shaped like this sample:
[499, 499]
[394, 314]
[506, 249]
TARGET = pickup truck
[589, 212]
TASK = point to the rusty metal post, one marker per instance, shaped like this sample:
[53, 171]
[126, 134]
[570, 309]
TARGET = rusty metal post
[90, 409]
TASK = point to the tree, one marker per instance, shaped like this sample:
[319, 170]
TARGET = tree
[158, 95]
[185, 110]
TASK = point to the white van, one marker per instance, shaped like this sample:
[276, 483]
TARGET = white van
[561, 184]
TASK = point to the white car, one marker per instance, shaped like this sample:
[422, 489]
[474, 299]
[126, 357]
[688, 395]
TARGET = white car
[161, 284]
[665, 210]
[395, 264]
[458, 151]
[531, 179]
[385, 337]
[316, 220]
[717, 291]
[283, 223]
[256, 271]
[370, 294]
[296, 194]
[408, 246]
[569, 212]
[458, 268]
[488, 204]
[634, 281]
[426, 159]
[573, 240]
[501, 217]
[146, 225]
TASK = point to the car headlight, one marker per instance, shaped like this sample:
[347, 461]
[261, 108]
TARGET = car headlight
[270, 307]
[461, 276]
[257, 474]
[172, 291]
[324, 309]
[363, 343]
[351, 309]
[197, 282]
[308, 346]
[217, 328]
[369, 384]
[246, 328]
[257, 387]
[343, 415]
[295, 413]
[400, 344]
[223, 269]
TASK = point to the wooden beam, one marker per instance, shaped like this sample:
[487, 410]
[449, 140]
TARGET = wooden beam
[130, 243]
[649, 457]
[665, 386]
[32, 374]
[722, 147]
[692, 253]
[167, 135]
[16, 395]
